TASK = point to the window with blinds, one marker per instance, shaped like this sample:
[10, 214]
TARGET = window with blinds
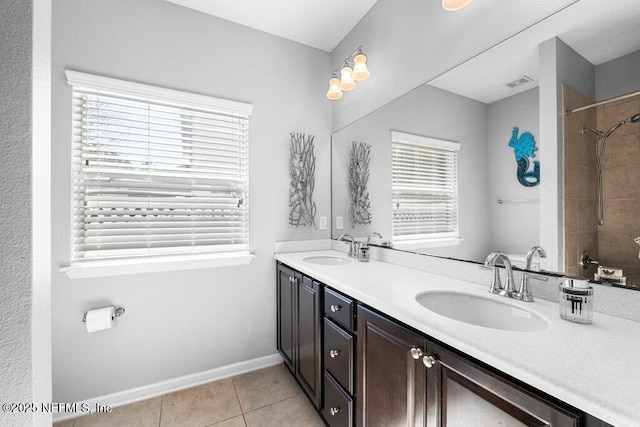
[156, 171]
[424, 187]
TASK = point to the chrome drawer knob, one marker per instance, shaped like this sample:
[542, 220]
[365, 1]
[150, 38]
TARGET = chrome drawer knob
[416, 352]
[335, 410]
[335, 307]
[429, 360]
[334, 353]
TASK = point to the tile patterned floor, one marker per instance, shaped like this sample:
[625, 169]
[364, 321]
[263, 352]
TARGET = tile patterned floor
[263, 398]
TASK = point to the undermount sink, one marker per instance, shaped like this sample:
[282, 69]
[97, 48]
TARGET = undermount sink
[481, 311]
[327, 260]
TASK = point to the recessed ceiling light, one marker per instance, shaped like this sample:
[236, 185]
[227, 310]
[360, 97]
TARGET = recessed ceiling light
[454, 4]
[520, 81]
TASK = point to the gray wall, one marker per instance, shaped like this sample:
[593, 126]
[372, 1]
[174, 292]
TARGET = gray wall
[431, 112]
[182, 322]
[25, 278]
[16, 369]
[619, 76]
[559, 64]
[515, 227]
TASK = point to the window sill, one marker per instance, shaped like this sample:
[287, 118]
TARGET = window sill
[426, 243]
[104, 268]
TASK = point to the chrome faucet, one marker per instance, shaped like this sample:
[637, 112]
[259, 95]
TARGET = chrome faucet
[374, 234]
[532, 252]
[352, 244]
[496, 286]
[524, 294]
[490, 262]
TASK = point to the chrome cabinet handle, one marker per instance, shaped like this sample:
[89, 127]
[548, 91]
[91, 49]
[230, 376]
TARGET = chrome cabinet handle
[335, 307]
[335, 410]
[416, 352]
[429, 360]
[334, 353]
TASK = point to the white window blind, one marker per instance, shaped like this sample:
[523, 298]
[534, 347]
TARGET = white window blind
[425, 188]
[156, 171]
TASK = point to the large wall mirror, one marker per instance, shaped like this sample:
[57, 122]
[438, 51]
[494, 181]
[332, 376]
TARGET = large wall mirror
[490, 106]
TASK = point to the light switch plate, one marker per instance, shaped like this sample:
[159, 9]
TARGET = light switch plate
[323, 223]
[339, 224]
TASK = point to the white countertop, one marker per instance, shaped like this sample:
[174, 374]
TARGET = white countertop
[595, 367]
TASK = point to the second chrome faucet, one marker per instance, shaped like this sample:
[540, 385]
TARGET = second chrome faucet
[508, 290]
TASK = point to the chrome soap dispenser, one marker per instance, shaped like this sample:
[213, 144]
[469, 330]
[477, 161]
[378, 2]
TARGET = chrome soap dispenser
[576, 300]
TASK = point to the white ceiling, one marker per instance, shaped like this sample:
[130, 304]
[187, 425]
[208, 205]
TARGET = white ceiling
[320, 24]
[598, 30]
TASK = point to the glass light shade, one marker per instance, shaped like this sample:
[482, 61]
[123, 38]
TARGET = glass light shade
[360, 70]
[346, 79]
[454, 4]
[334, 92]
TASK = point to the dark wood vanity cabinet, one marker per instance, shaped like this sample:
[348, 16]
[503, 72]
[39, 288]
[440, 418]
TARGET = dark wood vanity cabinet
[390, 382]
[287, 297]
[406, 379]
[338, 359]
[361, 367]
[462, 393]
[299, 337]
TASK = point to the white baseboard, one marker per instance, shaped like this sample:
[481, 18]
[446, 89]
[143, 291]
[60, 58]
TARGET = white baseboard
[158, 389]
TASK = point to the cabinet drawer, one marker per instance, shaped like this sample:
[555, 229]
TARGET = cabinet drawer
[338, 354]
[338, 406]
[339, 308]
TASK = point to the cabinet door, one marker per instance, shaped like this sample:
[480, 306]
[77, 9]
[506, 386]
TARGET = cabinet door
[461, 393]
[286, 294]
[309, 368]
[390, 382]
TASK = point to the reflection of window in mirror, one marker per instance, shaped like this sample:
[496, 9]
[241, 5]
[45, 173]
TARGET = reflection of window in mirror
[424, 191]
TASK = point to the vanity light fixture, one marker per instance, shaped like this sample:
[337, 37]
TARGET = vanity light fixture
[346, 79]
[352, 70]
[360, 70]
[454, 4]
[334, 92]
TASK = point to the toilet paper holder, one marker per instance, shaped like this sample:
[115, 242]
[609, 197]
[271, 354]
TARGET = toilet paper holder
[119, 312]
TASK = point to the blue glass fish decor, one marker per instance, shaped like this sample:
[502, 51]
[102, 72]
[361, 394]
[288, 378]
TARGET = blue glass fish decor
[524, 147]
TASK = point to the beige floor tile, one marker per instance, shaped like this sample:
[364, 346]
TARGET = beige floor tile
[67, 423]
[295, 411]
[233, 422]
[139, 414]
[201, 406]
[264, 387]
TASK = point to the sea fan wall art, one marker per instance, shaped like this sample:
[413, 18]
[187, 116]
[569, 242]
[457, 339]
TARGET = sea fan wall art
[358, 178]
[302, 169]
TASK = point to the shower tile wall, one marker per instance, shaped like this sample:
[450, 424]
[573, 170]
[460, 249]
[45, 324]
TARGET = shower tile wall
[621, 175]
[580, 225]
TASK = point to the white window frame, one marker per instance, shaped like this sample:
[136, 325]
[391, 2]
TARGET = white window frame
[435, 239]
[128, 264]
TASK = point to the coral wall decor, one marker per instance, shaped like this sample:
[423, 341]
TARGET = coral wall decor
[302, 168]
[524, 147]
[358, 178]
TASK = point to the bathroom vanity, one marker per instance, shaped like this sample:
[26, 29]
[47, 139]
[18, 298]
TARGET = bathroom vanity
[379, 357]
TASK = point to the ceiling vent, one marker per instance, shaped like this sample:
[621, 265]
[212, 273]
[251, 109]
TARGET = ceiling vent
[520, 81]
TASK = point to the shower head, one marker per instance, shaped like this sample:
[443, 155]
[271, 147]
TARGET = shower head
[600, 134]
[633, 119]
